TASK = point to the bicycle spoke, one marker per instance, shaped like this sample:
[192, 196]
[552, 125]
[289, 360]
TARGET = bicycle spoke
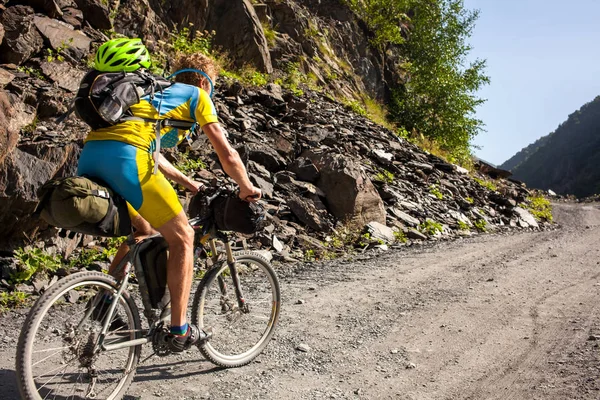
[54, 348]
[63, 360]
[238, 336]
[48, 381]
[44, 359]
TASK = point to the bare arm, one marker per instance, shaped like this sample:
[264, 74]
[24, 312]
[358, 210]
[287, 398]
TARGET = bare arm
[175, 175]
[230, 160]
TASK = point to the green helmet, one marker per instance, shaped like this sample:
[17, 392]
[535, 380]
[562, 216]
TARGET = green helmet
[123, 54]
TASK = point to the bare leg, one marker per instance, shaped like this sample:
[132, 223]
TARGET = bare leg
[143, 229]
[180, 267]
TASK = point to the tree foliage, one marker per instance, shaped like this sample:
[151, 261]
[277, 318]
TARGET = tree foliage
[439, 98]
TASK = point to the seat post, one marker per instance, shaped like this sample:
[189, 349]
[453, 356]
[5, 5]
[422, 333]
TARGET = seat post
[229, 252]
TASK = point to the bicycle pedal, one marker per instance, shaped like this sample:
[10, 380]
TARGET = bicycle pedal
[204, 337]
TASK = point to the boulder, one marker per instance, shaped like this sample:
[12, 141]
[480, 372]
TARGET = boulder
[266, 156]
[62, 37]
[383, 157]
[304, 169]
[25, 169]
[415, 234]
[1, 33]
[380, 232]
[240, 33]
[404, 217]
[350, 193]
[5, 77]
[48, 7]
[265, 186]
[310, 212]
[501, 200]
[8, 136]
[51, 103]
[73, 16]
[63, 74]
[525, 216]
[21, 38]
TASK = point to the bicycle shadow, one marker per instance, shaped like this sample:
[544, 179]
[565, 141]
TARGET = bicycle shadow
[174, 370]
[8, 384]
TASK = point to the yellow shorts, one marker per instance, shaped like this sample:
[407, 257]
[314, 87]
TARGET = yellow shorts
[128, 171]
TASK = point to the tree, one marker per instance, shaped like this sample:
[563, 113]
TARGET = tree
[439, 99]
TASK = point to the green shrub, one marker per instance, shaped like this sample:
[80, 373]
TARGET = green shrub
[430, 227]
[540, 208]
[309, 255]
[188, 42]
[384, 176]
[481, 225]
[463, 226]
[12, 299]
[32, 262]
[486, 184]
[270, 34]
[400, 236]
[187, 165]
[470, 200]
[355, 107]
[293, 78]
[435, 190]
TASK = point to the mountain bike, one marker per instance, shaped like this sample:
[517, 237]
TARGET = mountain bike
[83, 337]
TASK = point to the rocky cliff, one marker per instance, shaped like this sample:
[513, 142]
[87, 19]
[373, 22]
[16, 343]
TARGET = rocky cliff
[566, 161]
[323, 169]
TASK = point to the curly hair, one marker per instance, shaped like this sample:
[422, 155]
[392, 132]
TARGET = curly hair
[197, 61]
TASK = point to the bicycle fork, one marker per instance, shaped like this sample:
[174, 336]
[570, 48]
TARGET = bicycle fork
[234, 274]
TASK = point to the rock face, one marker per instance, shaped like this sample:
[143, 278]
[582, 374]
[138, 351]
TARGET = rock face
[239, 30]
[96, 13]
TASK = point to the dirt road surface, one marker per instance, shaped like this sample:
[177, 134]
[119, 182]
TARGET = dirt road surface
[492, 317]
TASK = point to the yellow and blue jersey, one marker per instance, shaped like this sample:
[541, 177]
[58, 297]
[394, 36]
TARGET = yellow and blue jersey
[121, 155]
[179, 102]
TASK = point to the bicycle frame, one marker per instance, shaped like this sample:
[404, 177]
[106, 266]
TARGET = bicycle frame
[124, 269]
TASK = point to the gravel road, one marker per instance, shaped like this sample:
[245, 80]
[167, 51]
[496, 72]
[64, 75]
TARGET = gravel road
[491, 317]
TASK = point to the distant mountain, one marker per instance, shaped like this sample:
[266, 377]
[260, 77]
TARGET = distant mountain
[567, 160]
[522, 155]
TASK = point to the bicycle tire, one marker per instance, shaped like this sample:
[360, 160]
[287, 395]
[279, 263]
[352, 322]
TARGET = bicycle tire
[223, 347]
[55, 296]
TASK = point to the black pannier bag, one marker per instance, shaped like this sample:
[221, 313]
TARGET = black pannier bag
[152, 257]
[229, 212]
[83, 205]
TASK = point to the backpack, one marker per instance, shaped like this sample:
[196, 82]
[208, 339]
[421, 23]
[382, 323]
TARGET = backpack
[82, 205]
[104, 98]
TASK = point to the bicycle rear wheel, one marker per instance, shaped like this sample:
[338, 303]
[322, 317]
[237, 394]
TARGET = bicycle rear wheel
[56, 356]
[239, 333]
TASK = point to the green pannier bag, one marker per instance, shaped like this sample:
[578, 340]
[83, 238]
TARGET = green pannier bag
[82, 205]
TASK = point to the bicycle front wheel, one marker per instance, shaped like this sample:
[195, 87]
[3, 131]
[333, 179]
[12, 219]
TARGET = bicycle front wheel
[58, 355]
[241, 322]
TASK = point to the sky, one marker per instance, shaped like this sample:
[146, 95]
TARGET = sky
[543, 59]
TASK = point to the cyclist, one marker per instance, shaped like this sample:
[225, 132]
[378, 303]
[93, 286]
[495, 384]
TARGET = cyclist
[122, 156]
